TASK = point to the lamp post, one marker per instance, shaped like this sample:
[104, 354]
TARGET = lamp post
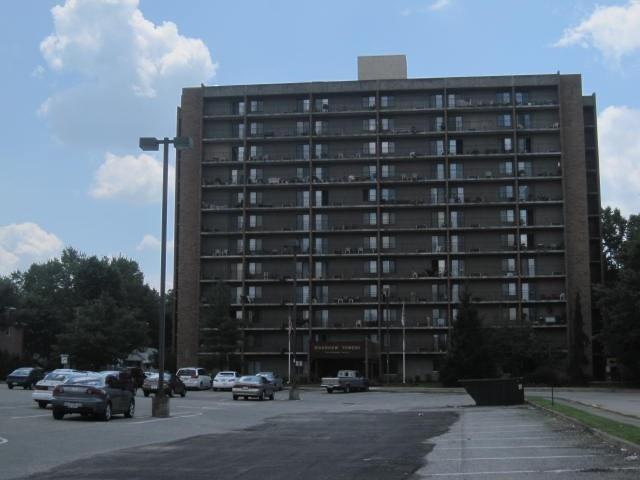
[160, 403]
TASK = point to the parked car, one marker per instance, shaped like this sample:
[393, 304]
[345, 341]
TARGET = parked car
[194, 377]
[253, 386]
[172, 384]
[43, 390]
[225, 380]
[98, 395]
[347, 381]
[273, 378]
[137, 374]
[25, 377]
[123, 377]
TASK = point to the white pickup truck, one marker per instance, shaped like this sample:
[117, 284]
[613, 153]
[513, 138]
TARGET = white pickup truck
[346, 381]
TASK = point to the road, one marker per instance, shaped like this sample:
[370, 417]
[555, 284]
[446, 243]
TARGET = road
[371, 435]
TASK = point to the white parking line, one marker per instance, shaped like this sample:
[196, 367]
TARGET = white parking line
[526, 472]
[500, 427]
[509, 447]
[31, 416]
[464, 439]
[3, 440]
[543, 457]
[168, 418]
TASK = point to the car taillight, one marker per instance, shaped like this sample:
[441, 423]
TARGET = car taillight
[95, 391]
[58, 390]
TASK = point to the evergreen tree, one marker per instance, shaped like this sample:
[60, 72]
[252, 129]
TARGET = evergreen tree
[222, 333]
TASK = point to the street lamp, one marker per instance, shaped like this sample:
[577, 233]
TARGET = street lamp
[160, 403]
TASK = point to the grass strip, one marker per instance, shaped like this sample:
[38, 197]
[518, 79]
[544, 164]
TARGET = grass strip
[627, 432]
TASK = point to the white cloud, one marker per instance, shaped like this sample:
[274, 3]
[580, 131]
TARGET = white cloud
[130, 72]
[150, 242]
[619, 145]
[614, 31]
[136, 179]
[24, 243]
[439, 5]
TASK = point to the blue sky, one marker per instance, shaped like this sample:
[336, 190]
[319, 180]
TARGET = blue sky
[83, 79]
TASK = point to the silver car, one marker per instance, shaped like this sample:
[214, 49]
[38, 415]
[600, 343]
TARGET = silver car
[253, 386]
[98, 395]
[273, 378]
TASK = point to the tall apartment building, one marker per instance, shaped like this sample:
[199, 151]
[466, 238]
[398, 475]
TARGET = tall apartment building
[364, 205]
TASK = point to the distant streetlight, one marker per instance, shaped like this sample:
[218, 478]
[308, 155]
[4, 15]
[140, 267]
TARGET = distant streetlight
[160, 405]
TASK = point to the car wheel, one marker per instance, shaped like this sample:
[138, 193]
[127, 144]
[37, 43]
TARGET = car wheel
[347, 389]
[58, 414]
[10, 385]
[261, 397]
[235, 397]
[183, 393]
[146, 393]
[26, 387]
[131, 410]
[272, 396]
[170, 392]
[106, 415]
[42, 404]
[329, 390]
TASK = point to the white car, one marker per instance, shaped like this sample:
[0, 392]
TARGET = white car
[43, 391]
[225, 380]
[194, 377]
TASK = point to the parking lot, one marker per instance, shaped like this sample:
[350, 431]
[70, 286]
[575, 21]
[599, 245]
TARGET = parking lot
[359, 435]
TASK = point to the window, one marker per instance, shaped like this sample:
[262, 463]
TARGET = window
[302, 128]
[451, 100]
[302, 222]
[302, 199]
[322, 104]
[438, 219]
[388, 147]
[371, 242]
[319, 270]
[457, 219]
[239, 245]
[255, 175]
[524, 145]
[322, 318]
[529, 267]
[458, 123]
[388, 194]
[321, 150]
[370, 195]
[436, 194]
[239, 130]
[503, 98]
[506, 168]
[438, 243]
[321, 127]
[389, 315]
[255, 198]
[369, 102]
[388, 266]
[302, 294]
[388, 242]
[524, 217]
[240, 222]
[457, 268]
[255, 245]
[369, 171]
[256, 106]
[524, 240]
[507, 145]
[453, 147]
[322, 221]
[236, 177]
[525, 169]
[522, 98]
[238, 154]
[509, 290]
[387, 124]
[239, 108]
[369, 125]
[388, 171]
[321, 198]
[237, 272]
[438, 147]
[387, 101]
[255, 268]
[455, 293]
[321, 294]
[455, 170]
[302, 173]
[255, 221]
[256, 152]
[508, 240]
[370, 218]
[456, 194]
[303, 105]
[512, 314]
[371, 291]
[388, 218]
[439, 292]
[370, 315]
[505, 193]
[509, 266]
[439, 124]
[256, 129]
[321, 245]
[438, 172]
[456, 244]
[369, 148]
[526, 291]
[524, 120]
[320, 173]
[504, 120]
[507, 217]
[371, 266]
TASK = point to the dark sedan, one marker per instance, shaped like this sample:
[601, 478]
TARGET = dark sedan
[172, 385]
[98, 395]
[25, 377]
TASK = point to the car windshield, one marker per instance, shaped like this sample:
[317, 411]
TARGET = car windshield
[21, 372]
[92, 381]
[265, 374]
[155, 375]
[226, 374]
[187, 372]
[251, 379]
[57, 377]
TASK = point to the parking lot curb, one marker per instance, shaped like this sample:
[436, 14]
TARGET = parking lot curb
[619, 442]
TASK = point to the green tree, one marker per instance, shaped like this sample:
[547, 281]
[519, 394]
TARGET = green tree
[469, 354]
[516, 349]
[616, 230]
[222, 334]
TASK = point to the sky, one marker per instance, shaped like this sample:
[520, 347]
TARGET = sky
[82, 80]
